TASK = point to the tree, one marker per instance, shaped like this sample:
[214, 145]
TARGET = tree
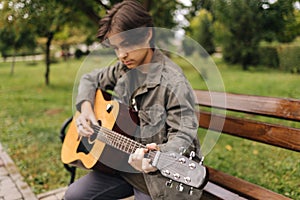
[16, 32]
[163, 11]
[51, 16]
[279, 20]
[247, 23]
[241, 19]
[48, 18]
[200, 30]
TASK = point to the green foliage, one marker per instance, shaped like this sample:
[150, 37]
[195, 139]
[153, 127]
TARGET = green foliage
[241, 43]
[289, 58]
[16, 32]
[200, 30]
[246, 23]
[71, 22]
[268, 56]
[284, 57]
[163, 12]
[220, 32]
[279, 21]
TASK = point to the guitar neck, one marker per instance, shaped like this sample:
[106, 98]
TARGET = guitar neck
[116, 140]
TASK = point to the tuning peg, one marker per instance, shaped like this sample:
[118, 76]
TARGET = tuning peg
[191, 191]
[201, 161]
[180, 187]
[169, 184]
[192, 155]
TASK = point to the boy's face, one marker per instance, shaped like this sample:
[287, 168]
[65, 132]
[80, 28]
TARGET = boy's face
[132, 55]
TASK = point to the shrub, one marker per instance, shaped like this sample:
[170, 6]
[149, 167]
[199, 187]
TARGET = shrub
[289, 59]
[284, 57]
[268, 56]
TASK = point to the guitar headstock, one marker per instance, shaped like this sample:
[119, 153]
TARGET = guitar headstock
[181, 169]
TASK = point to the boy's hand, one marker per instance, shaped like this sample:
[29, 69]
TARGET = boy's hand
[138, 162]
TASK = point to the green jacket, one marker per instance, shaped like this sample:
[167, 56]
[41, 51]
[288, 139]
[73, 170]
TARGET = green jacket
[165, 103]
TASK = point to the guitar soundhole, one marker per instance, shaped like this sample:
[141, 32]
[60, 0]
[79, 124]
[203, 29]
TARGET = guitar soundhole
[86, 144]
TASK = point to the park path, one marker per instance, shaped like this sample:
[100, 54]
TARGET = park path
[13, 186]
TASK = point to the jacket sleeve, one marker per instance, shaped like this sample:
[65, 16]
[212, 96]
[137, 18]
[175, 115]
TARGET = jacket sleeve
[104, 78]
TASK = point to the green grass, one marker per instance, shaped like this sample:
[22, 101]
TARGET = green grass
[32, 114]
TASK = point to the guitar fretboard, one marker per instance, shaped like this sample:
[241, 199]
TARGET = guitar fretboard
[118, 140]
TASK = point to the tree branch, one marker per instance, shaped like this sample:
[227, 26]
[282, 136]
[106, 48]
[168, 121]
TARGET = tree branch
[90, 12]
[102, 4]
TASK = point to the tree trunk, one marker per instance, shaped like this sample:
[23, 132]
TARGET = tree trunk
[48, 60]
[245, 66]
[147, 4]
[13, 62]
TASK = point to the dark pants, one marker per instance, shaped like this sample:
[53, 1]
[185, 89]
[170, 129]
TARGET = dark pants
[97, 185]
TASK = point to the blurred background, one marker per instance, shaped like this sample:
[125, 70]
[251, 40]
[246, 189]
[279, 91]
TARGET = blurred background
[255, 45]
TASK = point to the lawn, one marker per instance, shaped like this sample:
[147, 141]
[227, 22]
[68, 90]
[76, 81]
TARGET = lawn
[32, 114]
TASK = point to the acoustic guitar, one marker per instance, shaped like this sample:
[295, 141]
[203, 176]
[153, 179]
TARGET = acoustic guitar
[111, 144]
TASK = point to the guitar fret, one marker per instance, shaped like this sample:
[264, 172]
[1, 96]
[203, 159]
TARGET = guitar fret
[128, 150]
[125, 146]
[117, 140]
[121, 143]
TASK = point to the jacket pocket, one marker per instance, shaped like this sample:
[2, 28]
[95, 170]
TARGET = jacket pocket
[152, 120]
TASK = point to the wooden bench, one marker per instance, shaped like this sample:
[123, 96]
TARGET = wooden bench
[225, 186]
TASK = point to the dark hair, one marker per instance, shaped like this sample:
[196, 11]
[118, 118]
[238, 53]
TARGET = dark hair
[124, 16]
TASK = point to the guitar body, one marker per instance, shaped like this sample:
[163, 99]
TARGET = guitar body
[92, 153]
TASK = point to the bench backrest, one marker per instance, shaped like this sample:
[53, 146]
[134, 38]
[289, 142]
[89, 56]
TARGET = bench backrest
[284, 133]
[274, 134]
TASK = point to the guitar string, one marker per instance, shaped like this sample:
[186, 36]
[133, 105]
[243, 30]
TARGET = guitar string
[115, 139]
[118, 138]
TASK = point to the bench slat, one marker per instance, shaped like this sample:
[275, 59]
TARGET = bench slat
[215, 192]
[268, 106]
[241, 187]
[277, 135]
